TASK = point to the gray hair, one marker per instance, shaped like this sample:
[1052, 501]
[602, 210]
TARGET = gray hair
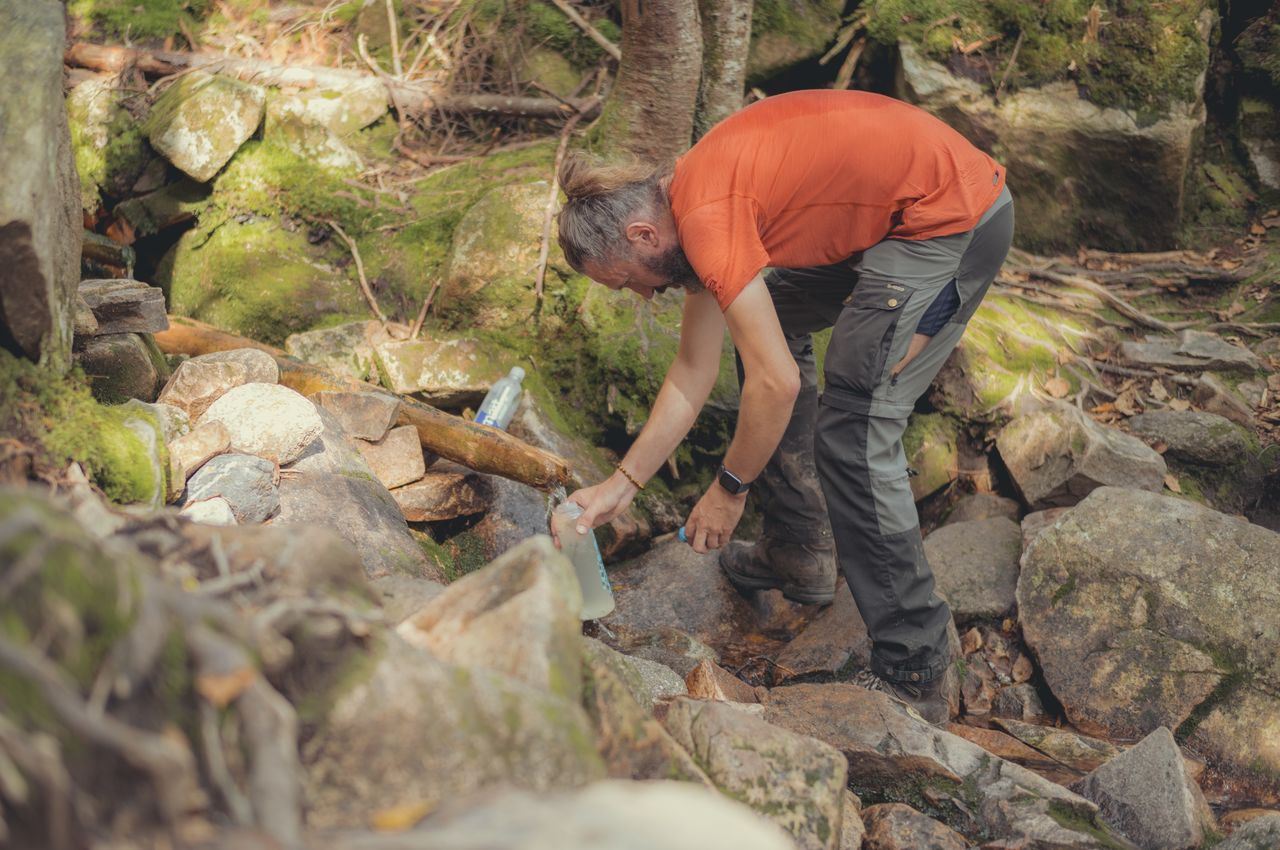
[601, 199]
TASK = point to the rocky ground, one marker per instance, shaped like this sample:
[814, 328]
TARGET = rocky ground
[238, 610]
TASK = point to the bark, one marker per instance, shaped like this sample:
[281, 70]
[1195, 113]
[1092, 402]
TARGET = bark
[726, 37]
[650, 110]
[477, 447]
[415, 97]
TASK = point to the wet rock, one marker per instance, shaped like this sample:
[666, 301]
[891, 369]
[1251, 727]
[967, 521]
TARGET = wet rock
[710, 681]
[1113, 601]
[212, 511]
[518, 616]
[1079, 752]
[897, 826]
[1258, 834]
[259, 366]
[345, 350]
[361, 510]
[887, 747]
[200, 121]
[332, 452]
[1146, 794]
[40, 214]
[1190, 351]
[243, 480]
[192, 450]
[125, 306]
[196, 384]
[835, 637]
[444, 372]
[616, 814]
[1020, 702]
[930, 444]
[441, 495]
[1077, 162]
[368, 416]
[976, 565]
[266, 420]
[397, 458]
[672, 648]
[403, 596]
[632, 743]
[474, 729]
[794, 780]
[1215, 395]
[852, 829]
[647, 681]
[119, 367]
[1057, 455]
[674, 586]
[1037, 521]
[977, 506]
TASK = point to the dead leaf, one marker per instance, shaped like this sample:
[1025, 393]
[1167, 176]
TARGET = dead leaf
[221, 688]
[1064, 356]
[1179, 404]
[1234, 310]
[1171, 482]
[1229, 265]
[971, 642]
[1103, 409]
[399, 818]
[1258, 230]
[1022, 669]
[1158, 392]
[1057, 387]
[1128, 403]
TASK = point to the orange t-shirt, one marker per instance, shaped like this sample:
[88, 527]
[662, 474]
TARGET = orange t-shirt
[810, 178]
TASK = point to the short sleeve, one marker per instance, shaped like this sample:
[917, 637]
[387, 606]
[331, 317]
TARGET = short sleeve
[722, 241]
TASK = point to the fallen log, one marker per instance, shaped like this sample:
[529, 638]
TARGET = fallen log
[414, 96]
[477, 447]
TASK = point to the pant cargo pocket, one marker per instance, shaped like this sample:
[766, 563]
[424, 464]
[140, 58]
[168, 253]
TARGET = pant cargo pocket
[863, 337]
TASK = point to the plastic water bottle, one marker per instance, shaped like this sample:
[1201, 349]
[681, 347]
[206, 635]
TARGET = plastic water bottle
[504, 397]
[583, 552]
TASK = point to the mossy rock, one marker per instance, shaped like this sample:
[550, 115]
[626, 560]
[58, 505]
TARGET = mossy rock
[787, 32]
[139, 20]
[256, 279]
[60, 419]
[1144, 55]
[110, 148]
[1259, 130]
[930, 445]
[1258, 48]
[200, 121]
[552, 71]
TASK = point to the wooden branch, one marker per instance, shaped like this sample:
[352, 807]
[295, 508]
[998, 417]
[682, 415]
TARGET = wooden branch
[477, 447]
[416, 97]
[594, 34]
[364, 281]
[1008, 69]
[416, 327]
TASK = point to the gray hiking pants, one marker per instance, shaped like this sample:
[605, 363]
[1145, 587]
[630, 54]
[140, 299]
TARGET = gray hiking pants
[854, 433]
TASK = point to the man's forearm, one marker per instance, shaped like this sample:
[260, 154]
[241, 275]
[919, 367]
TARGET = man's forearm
[763, 415]
[677, 406]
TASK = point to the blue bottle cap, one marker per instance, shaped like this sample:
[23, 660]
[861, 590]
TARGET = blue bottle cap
[681, 536]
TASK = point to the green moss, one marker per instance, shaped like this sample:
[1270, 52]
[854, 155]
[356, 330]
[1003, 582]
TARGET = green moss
[1070, 817]
[1063, 589]
[138, 19]
[108, 144]
[1144, 56]
[437, 554]
[62, 419]
[547, 26]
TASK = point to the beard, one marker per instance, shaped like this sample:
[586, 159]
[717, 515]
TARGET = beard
[673, 266]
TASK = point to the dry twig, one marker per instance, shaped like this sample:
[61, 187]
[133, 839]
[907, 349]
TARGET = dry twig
[549, 212]
[416, 328]
[1008, 69]
[594, 34]
[364, 281]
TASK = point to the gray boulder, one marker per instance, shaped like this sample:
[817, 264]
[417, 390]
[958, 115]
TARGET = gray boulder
[1258, 834]
[244, 481]
[1191, 351]
[834, 637]
[266, 420]
[259, 366]
[518, 616]
[414, 731]
[125, 306]
[1057, 455]
[611, 815]
[983, 506]
[120, 367]
[1147, 794]
[200, 121]
[647, 681]
[197, 383]
[976, 565]
[897, 826]
[1140, 607]
[345, 350]
[794, 780]
[367, 415]
[40, 220]
[1194, 437]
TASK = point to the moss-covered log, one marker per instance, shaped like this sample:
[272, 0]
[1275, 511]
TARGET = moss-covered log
[476, 446]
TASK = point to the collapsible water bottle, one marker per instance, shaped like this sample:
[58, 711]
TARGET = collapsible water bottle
[500, 404]
[583, 552]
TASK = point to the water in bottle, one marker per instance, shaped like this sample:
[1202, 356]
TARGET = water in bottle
[500, 404]
[584, 554]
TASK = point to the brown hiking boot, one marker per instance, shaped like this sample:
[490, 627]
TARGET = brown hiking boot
[925, 700]
[804, 572]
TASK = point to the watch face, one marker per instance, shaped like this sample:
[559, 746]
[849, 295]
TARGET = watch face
[731, 482]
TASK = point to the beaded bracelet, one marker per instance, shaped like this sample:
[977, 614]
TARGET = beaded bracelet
[630, 477]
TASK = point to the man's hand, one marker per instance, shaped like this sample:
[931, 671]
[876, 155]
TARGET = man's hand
[713, 519]
[602, 502]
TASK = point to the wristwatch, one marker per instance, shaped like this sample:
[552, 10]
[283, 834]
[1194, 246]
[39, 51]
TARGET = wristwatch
[735, 485]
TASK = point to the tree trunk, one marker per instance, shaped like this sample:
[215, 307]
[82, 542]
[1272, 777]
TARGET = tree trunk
[726, 37]
[650, 110]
